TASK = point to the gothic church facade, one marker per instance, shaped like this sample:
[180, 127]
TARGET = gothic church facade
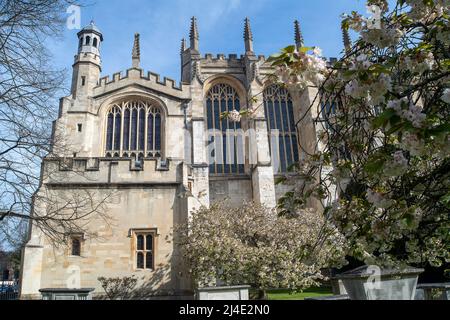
[149, 152]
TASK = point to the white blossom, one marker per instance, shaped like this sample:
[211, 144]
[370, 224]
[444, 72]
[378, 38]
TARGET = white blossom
[383, 37]
[313, 68]
[234, 116]
[400, 159]
[252, 111]
[446, 96]
[317, 51]
[412, 143]
[355, 90]
[253, 244]
[413, 114]
[378, 199]
[422, 12]
[397, 166]
[283, 73]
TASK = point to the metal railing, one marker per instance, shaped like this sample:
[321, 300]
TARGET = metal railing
[9, 290]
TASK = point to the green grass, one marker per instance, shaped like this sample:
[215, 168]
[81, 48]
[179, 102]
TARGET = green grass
[282, 294]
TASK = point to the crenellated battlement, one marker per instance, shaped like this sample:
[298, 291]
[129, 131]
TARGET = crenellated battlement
[112, 171]
[134, 73]
[232, 57]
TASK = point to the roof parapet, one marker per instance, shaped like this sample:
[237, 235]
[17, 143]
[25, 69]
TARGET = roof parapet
[150, 76]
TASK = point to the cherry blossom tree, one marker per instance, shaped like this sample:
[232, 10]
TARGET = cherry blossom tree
[254, 245]
[381, 166]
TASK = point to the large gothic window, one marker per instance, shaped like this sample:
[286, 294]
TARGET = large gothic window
[283, 138]
[226, 139]
[134, 129]
[329, 107]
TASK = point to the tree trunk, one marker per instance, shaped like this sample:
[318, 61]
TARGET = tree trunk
[262, 294]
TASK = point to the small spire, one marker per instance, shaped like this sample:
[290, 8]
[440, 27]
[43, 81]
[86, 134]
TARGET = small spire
[193, 34]
[299, 42]
[248, 37]
[136, 54]
[183, 46]
[346, 39]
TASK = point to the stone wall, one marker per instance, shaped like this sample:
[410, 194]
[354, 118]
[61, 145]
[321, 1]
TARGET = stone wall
[108, 248]
[144, 199]
[235, 190]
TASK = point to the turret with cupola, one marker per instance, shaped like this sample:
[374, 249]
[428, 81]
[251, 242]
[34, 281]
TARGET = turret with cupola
[87, 64]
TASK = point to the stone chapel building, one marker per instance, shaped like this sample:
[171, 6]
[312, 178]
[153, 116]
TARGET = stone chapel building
[158, 150]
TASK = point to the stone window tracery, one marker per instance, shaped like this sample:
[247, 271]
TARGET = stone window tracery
[281, 127]
[226, 139]
[134, 130]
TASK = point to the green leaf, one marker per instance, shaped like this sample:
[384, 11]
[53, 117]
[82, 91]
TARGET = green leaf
[446, 63]
[280, 180]
[441, 129]
[446, 200]
[224, 115]
[395, 119]
[424, 46]
[278, 62]
[409, 220]
[404, 19]
[363, 76]
[375, 164]
[289, 49]
[275, 56]
[345, 24]
[379, 68]
[382, 119]
[349, 73]
[306, 49]
[395, 128]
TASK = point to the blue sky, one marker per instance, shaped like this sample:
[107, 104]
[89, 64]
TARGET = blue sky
[162, 24]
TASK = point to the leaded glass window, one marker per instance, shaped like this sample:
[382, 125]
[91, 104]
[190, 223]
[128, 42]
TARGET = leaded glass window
[281, 127]
[76, 247]
[134, 129]
[329, 108]
[226, 138]
[328, 113]
[144, 250]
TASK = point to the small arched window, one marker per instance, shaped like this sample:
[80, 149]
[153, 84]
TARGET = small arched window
[226, 138]
[76, 247]
[134, 129]
[283, 138]
[80, 44]
[88, 40]
[95, 42]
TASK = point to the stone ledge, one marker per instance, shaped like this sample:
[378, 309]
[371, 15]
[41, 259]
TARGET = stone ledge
[223, 288]
[94, 164]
